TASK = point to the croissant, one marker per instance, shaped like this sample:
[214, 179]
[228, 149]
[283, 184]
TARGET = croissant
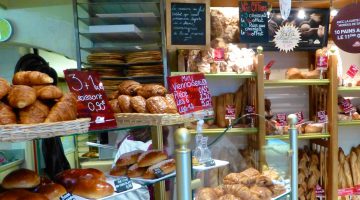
[49, 92]
[35, 113]
[138, 103]
[124, 103]
[7, 115]
[150, 90]
[4, 87]
[63, 110]
[21, 96]
[129, 87]
[31, 78]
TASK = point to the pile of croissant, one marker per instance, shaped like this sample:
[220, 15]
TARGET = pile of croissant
[247, 185]
[133, 97]
[32, 99]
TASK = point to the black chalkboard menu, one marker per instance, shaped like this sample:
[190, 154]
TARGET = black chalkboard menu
[188, 23]
[253, 21]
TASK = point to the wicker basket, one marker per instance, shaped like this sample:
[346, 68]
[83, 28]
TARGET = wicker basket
[142, 119]
[23, 132]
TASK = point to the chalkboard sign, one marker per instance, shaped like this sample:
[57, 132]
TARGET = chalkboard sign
[188, 24]
[123, 184]
[253, 21]
[67, 196]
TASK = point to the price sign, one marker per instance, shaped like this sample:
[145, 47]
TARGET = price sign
[269, 65]
[321, 116]
[91, 98]
[67, 196]
[230, 112]
[158, 172]
[347, 106]
[191, 93]
[210, 163]
[300, 117]
[322, 62]
[219, 54]
[319, 190]
[123, 184]
[357, 190]
[352, 71]
[281, 119]
[346, 192]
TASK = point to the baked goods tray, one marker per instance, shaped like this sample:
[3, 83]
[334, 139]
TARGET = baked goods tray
[143, 181]
[218, 163]
[142, 119]
[111, 182]
[23, 132]
[283, 195]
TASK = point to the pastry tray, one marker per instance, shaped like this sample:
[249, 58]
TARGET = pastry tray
[111, 181]
[218, 163]
[152, 181]
[288, 191]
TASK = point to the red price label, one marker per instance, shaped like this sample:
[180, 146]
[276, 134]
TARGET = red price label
[91, 98]
[352, 71]
[322, 117]
[250, 109]
[300, 117]
[269, 65]
[347, 106]
[230, 112]
[281, 119]
[322, 62]
[191, 92]
[219, 54]
[346, 191]
[357, 190]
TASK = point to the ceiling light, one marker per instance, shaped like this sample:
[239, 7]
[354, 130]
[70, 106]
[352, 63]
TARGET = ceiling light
[333, 12]
[301, 14]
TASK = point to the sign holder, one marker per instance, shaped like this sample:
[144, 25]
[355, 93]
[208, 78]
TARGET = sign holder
[170, 45]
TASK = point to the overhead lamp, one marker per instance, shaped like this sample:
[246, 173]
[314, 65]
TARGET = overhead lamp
[333, 12]
[301, 14]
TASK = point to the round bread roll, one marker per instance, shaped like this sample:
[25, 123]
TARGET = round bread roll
[128, 158]
[135, 171]
[92, 189]
[124, 103]
[118, 171]
[151, 157]
[52, 191]
[138, 103]
[167, 166]
[21, 178]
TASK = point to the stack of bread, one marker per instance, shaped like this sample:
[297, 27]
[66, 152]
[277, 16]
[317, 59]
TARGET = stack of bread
[133, 97]
[142, 164]
[143, 56]
[32, 99]
[106, 58]
[24, 184]
[349, 169]
[247, 185]
[309, 175]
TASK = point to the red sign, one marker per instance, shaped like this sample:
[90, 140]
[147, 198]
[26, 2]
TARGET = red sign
[300, 117]
[321, 116]
[322, 62]
[269, 65]
[345, 28]
[281, 119]
[352, 71]
[357, 190]
[191, 92]
[91, 98]
[219, 54]
[346, 105]
[346, 192]
[230, 112]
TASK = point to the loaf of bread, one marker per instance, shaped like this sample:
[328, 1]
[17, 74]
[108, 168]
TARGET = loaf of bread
[124, 103]
[135, 171]
[65, 109]
[150, 90]
[48, 92]
[92, 188]
[220, 111]
[151, 157]
[21, 96]
[128, 158]
[129, 87]
[4, 87]
[118, 171]
[166, 166]
[355, 168]
[7, 115]
[293, 73]
[21, 178]
[115, 107]
[35, 113]
[138, 103]
[52, 191]
[31, 78]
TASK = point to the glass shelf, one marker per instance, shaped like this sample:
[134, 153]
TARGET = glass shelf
[221, 74]
[301, 136]
[232, 131]
[296, 82]
[349, 123]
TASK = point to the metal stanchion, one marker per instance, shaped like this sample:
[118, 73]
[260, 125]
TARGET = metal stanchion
[184, 184]
[292, 120]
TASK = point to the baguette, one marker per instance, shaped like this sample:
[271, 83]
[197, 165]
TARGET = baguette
[220, 111]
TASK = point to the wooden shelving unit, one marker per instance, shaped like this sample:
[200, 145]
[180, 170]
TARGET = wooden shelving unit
[349, 123]
[221, 75]
[296, 82]
[300, 137]
[232, 131]
[349, 89]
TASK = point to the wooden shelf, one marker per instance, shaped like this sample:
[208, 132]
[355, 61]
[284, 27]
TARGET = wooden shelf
[301, 136]
[349, 123]
[232, 131]
[349, 89]
[222, 74]
[296, 82]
